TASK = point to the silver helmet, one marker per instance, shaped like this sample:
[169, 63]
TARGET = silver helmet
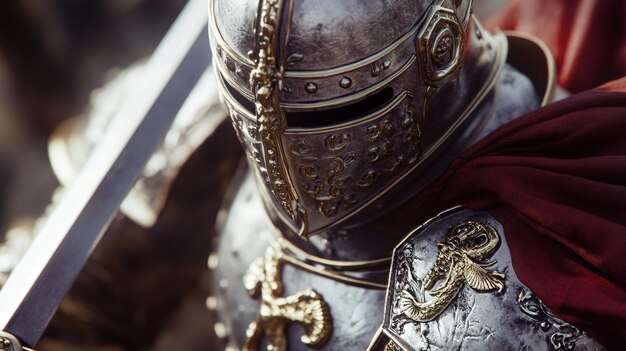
[339, 103]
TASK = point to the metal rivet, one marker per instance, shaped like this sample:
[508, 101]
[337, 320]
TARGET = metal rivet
[386, 64]
[311, 88]
[345, 82]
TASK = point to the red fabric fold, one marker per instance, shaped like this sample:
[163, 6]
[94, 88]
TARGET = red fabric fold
[556, 180]
[587, 37]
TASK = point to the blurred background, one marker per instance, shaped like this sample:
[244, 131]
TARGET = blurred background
[53, 55]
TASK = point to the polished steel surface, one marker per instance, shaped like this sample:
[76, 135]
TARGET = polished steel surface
[453, 287]
[335, 170]
[499, 317]
[41, 279]
[245, 236]
[512, 96]
[419, 52]
[352, 138]
[429, 61]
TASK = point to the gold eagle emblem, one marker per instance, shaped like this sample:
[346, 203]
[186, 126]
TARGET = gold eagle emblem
[462, 258]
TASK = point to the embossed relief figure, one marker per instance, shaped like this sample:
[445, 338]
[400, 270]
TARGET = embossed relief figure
[348, 112]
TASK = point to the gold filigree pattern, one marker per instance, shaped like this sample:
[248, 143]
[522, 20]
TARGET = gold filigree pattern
[265, 81]
[326, 182]
[564, 335]
[462, 258]
[392, 346]
[306, 308]
[440, 44]
[335, 170]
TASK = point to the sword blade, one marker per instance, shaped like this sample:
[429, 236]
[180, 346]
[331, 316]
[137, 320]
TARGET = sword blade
[38, 284]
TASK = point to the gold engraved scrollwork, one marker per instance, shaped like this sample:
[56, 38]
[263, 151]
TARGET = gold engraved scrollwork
[306, 308]
[339, 168]
[462, 258]
[326, 181]
[440, 46]
[392, 346]
[383, 136]
[265, 81]
[337, 142]
[563, 335]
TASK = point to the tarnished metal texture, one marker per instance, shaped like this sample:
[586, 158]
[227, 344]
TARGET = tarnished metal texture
[376, 39]
[41, 279]
[453, 287]
[245, 237]
[479, 303]
[421, 50]
[513, 96]
[426, 118]
[345, 174]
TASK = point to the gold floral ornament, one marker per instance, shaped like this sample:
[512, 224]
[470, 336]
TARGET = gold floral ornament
[306, 308]
[462, 258]
[265, 82]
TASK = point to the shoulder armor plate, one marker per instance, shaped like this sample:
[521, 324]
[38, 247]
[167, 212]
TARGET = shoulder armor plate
[452, 286]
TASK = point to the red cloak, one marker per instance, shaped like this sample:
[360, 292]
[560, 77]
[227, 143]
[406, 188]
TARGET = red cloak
[556, 179]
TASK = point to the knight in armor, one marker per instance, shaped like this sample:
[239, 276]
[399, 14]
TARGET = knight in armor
[356, 224]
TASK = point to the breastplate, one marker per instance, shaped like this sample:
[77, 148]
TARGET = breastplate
[270, 293]
[452, 286]
[268, 297]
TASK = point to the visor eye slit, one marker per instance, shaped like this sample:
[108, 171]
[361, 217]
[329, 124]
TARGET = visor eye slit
[343, 114]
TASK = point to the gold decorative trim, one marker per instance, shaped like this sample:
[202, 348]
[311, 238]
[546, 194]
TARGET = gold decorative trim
[392, 346]
[440, 45]
[265, 80]
[336, 264]
[343, 278]
[563, 335]
[330, 72]
[368, 61]
[311, 105]
[330, 103]
[462, 258]
[502, 47]
[306, 308]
